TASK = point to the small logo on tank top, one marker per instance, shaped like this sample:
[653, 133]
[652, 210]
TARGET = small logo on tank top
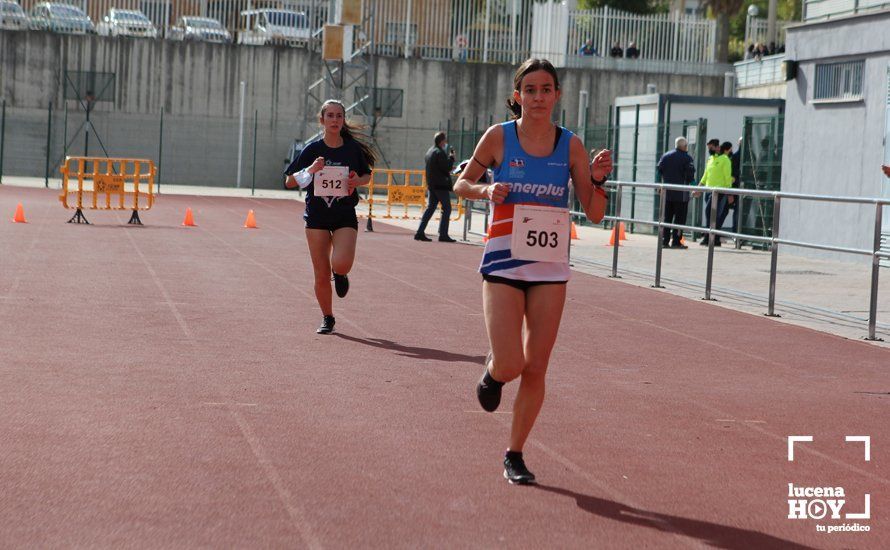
[517, 163]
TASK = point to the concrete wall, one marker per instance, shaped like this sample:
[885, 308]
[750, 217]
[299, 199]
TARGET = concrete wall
[196, 87]
[836, 148]
[769, 91]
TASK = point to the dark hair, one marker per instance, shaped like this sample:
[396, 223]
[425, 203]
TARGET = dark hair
[439, 138]
[352, 132]
[725, 146]
[714, 142]
[529, 66]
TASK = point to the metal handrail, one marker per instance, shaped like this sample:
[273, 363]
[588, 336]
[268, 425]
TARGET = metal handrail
[774, 241]
[469, 208]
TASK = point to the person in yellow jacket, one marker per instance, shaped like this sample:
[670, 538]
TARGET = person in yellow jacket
[718, 173]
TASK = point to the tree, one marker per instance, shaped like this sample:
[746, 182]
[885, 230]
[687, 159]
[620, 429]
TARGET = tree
[723, 10]
[634, 6]
[788, 10]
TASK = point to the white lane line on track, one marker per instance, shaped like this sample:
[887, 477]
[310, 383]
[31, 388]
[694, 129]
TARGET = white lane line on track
[296, 512]
[611, 492]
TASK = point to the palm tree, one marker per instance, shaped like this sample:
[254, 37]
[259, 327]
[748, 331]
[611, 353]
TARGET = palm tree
[723, 10]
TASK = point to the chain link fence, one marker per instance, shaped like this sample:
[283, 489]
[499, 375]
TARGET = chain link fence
[198, 150]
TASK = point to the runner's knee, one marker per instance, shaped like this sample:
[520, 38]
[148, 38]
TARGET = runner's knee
[506, 367]
[534, 372]
[341, 266]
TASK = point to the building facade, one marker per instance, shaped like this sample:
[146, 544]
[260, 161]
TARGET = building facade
[837, 129]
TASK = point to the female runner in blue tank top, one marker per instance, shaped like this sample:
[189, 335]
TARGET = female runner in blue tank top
[330, 169]
[525, 263]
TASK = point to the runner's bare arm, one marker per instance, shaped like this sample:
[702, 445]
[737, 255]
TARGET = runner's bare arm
[358, 181]
[489, 152]
[593, 202]
[304, 177]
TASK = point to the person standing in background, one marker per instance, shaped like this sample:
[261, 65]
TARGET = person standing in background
[439, 162]
[676, 167]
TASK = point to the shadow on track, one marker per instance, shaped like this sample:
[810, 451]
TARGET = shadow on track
[414, 352]
[713, 534]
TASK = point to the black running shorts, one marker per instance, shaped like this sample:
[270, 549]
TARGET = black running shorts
[517, 284]
[332, 219]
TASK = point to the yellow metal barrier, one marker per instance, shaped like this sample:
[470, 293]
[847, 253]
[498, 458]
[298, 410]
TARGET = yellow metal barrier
[109, 183]
[402, 190]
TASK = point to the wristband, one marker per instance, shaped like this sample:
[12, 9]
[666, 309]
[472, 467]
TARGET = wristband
[597, 183]
[304, 178]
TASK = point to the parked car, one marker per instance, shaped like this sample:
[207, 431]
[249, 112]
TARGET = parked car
[199, 28]
[126, 23]
[64, 18]
[12, 16]
[270, 26]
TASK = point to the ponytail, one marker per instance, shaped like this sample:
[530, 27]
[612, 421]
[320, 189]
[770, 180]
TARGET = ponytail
[351, 132]
[515, 108]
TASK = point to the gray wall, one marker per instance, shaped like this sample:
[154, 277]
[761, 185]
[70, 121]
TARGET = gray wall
[835, 149]
[196, 87]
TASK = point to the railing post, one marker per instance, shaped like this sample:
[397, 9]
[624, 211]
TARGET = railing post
[774, 259]
[633, 190]
[49, 133]
[875, 264]
[468, 212]
[661, 202]
[715, 199]
[160, 149]
[2, 139]
[616, 232]
[256, 114]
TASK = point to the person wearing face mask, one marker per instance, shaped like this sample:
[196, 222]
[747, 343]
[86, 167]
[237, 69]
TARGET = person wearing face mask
[439, 162]
[718, 173]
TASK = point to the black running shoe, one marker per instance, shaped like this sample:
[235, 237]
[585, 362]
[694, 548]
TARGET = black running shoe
[515, 471]
[327, 325]
[488, 390]
[341, 285]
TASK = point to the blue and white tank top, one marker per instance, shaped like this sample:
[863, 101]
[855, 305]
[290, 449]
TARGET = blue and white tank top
[533, 180]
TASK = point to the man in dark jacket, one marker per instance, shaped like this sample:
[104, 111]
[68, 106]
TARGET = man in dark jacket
[676, 167]
[438, 180]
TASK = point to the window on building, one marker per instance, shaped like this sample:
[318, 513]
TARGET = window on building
[839, 81]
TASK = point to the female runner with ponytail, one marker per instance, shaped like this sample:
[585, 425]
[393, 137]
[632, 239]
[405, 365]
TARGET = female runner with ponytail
[525, 264]
[330, 169]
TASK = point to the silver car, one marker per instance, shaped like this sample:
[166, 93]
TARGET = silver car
[63, 18]
[274, 26]
[12, 16]
[202, 29]
[126, 23]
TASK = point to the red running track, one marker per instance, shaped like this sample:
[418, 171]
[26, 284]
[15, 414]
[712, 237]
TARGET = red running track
[163, 386]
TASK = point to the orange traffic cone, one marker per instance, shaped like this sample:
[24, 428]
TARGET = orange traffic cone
[250, 222]
[612, 237]
[189, 221]
[621, 235]
[19, 214]
[574, 234]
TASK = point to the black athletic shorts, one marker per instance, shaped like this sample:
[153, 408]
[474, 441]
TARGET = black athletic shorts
[515, 283]
[332, 219]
